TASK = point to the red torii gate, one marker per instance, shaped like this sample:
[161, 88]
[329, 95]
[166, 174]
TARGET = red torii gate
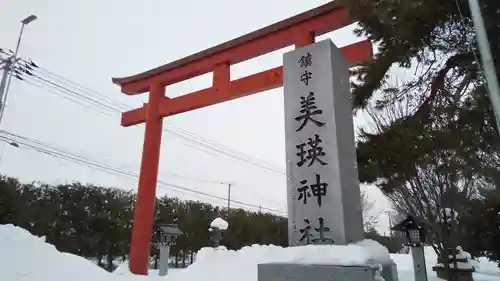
[299, 30]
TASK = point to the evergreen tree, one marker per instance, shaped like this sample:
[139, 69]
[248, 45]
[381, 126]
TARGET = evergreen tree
[433, 140]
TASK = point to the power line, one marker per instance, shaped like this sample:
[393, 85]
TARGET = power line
[220, 152]
[75, 155]
[30, 72]
[62, 94]
[36, 76]
[77, 86]
[39, 146]
[104, 167]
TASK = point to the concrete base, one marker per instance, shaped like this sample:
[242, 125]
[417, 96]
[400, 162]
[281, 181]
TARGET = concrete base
[164, 255]
[390, 271]
[461, 274]
[322, 272]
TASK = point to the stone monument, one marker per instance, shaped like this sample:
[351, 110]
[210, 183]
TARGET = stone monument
[324, 202]
[323, 193]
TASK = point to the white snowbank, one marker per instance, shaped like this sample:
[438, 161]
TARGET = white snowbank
[27, 257]
[219, 223]
[485, 270]
[486, 267]
[460, 265]
[243, 263]
[364, 252]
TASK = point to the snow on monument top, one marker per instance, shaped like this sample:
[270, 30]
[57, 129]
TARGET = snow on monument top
[447, 215]
[219, 223]
[366, 252]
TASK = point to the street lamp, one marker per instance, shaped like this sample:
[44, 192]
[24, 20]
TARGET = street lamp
[29, 19]
[166, 236]
[9, 66]
[24, 22]
[415, 233]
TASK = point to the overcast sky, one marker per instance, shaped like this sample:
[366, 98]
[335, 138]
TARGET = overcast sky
[90, 41]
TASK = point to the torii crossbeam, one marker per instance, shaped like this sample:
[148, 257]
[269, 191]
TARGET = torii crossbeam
[300, 30]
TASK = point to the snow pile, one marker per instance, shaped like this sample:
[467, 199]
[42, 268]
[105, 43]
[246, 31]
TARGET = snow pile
[486, 267]
[462, 258]
[210, 262]
[484, 270]
[447, 215]
[364, 252]
[405, 262]
[219, 223]
[27, 257]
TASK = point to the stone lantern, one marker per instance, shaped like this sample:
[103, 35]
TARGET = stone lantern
[166, 236]
[415, 234]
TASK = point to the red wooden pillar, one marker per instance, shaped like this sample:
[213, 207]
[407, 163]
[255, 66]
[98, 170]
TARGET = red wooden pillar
[303, 39]
[146, 195]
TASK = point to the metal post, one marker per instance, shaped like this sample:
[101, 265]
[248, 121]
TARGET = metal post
[164, 256]
[228, 199]
[390, 223]
[486, 58]
[9, 67]
[3, 83]
[420, 271]
[8, 74]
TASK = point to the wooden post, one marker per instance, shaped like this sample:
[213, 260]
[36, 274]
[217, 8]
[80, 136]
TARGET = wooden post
[146, 195]
[303, 39]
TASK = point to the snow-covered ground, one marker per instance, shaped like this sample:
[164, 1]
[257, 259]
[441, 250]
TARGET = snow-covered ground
[27, 257]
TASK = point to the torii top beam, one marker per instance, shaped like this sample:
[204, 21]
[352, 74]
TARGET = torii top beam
[299, 30]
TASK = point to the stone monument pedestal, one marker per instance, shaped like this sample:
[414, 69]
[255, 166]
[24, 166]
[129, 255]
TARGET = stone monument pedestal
[325, 272]
[462, 274]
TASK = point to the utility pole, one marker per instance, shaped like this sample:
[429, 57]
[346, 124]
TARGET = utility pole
[486, 58]
[9, 67]
[228, 198]
[3, 84]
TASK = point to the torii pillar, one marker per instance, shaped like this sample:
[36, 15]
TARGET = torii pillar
[300, 30]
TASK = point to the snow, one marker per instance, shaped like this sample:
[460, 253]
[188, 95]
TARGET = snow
[484, 271]
[361, 253]
[210, 262]
[460, 265]
[219, 223]
[448, 215]
[462, 254]
[27, 257]
[486, 267]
